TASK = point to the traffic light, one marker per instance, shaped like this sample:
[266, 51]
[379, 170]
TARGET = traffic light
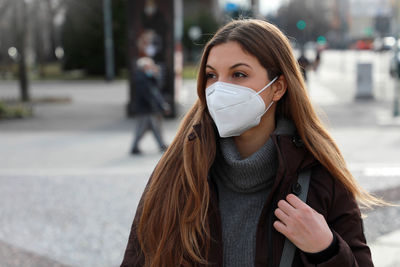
[301, 25]
[321, 40]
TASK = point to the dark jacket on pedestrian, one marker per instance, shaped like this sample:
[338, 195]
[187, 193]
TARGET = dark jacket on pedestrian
[148, 98]
[304, 65]
[326, 195]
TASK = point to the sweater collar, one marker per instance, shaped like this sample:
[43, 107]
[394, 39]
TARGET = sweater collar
[253, 173]
[248, 175]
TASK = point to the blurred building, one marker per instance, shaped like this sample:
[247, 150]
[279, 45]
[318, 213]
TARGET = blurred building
[339, 18]
[336, 12]
[396, 18]
[192, 7]
[351, 20]
[370, 18]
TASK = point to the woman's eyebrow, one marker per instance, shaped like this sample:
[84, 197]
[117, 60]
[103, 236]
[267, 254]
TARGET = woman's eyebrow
[208, 66]
[233, 66]
[240, 64]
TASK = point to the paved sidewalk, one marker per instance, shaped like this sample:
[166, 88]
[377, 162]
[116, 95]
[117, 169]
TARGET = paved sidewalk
[385, 250]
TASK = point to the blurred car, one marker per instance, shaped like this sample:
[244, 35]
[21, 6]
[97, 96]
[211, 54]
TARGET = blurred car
[364, 44]
[384, 44]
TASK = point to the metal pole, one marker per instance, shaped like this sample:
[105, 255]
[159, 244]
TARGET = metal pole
[396, 104]
[108, 40]
[255, 7]
[396, 99]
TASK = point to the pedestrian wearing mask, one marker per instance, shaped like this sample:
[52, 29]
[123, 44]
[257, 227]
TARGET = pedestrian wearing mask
[149, 103]
[252, 177]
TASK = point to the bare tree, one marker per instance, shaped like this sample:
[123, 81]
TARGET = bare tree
[53, 8]
[313, 15]
[21, 23]
[39, 36]
[29, 22]
[4, 7]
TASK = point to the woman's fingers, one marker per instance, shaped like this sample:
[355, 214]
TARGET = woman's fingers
[280, 227]
[286, 207]
[282, 216]
[296, 202]
[304, 226]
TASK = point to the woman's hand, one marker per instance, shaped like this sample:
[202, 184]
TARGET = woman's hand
[306, 228]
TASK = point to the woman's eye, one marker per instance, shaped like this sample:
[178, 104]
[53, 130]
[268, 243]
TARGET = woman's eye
[239, 75]
[210, 76]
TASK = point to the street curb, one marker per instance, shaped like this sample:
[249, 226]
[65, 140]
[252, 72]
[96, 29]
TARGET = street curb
[385, 250]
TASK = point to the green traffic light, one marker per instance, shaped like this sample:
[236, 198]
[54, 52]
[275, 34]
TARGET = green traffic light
[301, 25]
[321, 40]
[369, 31]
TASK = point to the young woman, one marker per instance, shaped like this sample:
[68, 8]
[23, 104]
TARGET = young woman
[224, 193]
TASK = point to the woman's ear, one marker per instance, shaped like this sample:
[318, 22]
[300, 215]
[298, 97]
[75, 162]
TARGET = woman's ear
[279, 88]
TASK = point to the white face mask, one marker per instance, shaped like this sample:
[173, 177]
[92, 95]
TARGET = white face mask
[235, 108]
[150, 50]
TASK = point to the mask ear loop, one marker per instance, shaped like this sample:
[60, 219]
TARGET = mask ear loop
[268, 85]
[272, 102]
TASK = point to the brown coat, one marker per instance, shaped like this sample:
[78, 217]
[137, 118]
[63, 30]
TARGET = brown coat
[326, 195]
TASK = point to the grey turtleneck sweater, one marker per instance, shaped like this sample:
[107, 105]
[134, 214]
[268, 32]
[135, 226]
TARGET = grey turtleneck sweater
[243, 187]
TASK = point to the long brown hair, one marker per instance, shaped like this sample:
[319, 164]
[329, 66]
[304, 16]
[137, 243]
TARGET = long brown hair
[173, 228]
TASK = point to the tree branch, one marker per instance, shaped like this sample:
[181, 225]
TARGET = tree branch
[4, 7]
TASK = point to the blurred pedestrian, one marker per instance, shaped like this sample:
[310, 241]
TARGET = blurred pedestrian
[304, 63]
[149, 103]
[230, 190]
[317, 60]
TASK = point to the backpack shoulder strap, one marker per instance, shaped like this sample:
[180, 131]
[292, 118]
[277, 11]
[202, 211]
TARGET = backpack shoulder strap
[289, 249]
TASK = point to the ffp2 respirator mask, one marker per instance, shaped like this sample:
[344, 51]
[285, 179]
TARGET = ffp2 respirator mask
[235, 108]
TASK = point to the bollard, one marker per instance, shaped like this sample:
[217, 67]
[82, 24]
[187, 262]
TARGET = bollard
[396, 103]
[395, 73]
[364, 81]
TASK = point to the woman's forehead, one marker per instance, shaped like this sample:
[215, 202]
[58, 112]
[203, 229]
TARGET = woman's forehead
[229, 53]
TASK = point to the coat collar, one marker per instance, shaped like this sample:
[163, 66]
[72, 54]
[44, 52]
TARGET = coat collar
[293, 153]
